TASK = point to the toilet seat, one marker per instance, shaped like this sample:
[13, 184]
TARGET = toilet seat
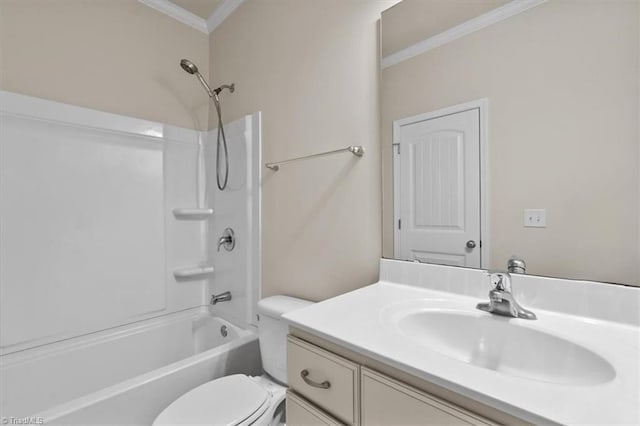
[231, 400]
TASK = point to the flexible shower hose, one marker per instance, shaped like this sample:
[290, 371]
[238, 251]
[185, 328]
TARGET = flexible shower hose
[223, 185]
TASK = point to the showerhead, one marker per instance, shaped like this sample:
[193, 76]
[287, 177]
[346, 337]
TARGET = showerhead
[191, 68]
[188, 66]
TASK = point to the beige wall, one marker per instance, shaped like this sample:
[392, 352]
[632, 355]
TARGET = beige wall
[562, 83]
[311, 67]
[118, 56]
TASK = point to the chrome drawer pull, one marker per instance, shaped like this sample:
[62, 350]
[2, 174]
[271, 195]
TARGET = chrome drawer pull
[323, 385]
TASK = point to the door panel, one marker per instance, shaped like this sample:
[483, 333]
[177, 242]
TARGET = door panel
[439, 189]
[436, 184]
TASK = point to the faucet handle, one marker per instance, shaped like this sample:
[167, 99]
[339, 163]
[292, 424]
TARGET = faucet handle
[500, 280]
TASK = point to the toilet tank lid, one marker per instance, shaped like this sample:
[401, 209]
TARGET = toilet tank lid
[276, 306]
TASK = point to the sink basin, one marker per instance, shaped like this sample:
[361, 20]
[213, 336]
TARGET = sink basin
[505, 345]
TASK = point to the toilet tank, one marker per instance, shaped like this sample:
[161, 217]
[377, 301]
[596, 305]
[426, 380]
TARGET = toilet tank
[272, 333]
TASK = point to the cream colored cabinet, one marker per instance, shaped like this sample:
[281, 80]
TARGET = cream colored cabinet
[301, 413]
[328, 380]
[386, 401]
[325, 386]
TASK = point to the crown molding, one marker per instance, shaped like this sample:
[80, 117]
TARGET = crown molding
[178, 13]
[496, 15]
[222, 12]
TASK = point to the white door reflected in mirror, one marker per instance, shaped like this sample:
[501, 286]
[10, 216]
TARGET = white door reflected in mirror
[437, 179]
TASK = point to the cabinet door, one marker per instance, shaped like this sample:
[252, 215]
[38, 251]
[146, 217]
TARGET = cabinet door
[301, 413]
[385, 401]
[326, 379]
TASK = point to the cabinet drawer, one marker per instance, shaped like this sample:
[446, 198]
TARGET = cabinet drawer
[301, 413]
[385, 401]
[328, 380]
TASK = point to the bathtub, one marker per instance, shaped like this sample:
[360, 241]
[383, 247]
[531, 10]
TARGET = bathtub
[125, 375]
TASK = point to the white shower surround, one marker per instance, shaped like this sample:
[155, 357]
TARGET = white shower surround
[237, 207]
[73, 311]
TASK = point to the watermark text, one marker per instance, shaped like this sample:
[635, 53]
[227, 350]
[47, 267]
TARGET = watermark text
[31, 420]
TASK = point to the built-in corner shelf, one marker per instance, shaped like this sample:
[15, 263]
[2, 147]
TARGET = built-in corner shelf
[192, 213]
[193, 272]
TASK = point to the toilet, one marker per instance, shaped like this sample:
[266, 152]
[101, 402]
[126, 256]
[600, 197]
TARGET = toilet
[239, 399]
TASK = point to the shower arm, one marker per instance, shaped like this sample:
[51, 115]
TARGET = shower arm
[231, 87]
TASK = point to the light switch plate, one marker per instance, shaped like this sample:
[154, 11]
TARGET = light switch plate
[535, 218]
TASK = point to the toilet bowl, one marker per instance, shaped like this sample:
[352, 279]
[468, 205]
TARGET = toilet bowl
[238, 399]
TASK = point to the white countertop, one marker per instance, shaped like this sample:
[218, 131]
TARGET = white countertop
[357, 321]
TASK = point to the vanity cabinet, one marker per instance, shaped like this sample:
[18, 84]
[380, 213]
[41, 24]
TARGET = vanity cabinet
[386, 401]
[300, 412]
[327, 380]
[327, 384]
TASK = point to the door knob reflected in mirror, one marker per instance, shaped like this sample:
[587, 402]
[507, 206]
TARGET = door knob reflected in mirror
[228, 240]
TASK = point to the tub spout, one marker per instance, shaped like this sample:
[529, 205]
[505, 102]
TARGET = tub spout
[222, 297]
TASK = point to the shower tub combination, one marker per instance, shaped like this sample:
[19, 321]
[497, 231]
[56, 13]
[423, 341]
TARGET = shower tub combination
[125, 375]
[66, 359]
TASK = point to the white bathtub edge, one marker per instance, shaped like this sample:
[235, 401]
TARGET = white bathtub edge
[64, 409]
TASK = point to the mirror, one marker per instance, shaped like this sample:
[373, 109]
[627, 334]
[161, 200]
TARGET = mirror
[512, 128]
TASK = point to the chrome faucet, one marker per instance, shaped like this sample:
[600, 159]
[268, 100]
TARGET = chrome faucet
[501, 300]
[222, 297]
